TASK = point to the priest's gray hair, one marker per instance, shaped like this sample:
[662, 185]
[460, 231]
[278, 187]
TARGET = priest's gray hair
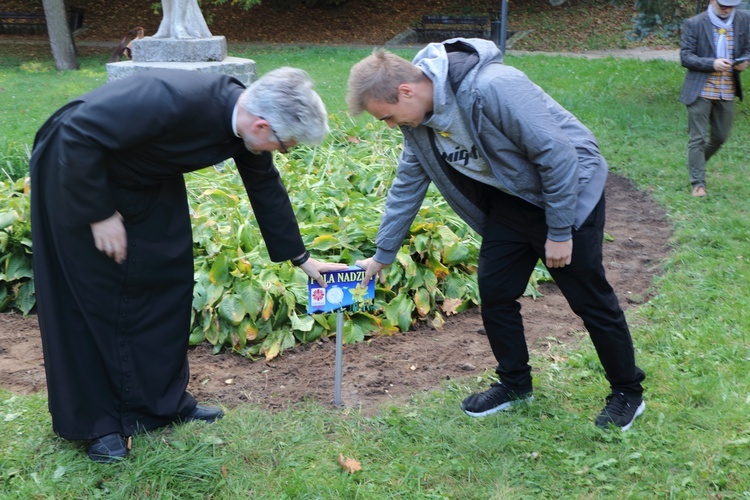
[286, 99]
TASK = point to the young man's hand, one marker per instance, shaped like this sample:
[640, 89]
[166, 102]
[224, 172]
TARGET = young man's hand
[372, 268]
[558, 253]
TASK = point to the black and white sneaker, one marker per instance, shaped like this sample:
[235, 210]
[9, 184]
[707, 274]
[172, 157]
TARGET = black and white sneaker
[497, 398]
[621, 410]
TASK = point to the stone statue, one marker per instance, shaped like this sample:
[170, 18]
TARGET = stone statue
[182, 19]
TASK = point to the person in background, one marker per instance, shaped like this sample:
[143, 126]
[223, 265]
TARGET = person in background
[714, 47]
[113, 249]
[527, 176]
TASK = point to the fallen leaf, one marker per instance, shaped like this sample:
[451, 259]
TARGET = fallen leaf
[224, 471]
[349, 464]
[449, 306]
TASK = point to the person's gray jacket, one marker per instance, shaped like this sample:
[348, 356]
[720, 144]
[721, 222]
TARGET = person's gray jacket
[536, 149]
[698, 52]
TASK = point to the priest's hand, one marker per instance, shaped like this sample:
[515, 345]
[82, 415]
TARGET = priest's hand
[313, 268]
[110, 237]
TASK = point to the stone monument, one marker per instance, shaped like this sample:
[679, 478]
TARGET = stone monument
[183, 41]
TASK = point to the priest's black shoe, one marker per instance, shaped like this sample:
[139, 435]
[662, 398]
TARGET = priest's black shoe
[204, 413]
[108, 449]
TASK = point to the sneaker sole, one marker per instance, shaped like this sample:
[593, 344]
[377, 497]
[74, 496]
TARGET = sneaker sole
[496, 409]
[638, 412]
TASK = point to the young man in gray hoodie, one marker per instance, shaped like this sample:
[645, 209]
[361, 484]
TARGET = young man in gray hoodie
[527, 176]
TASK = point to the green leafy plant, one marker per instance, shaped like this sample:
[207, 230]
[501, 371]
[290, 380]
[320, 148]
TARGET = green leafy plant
[243, 301]
[16, 274]
[255, 307]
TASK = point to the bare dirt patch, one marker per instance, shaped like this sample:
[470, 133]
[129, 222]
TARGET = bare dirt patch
[386, 369]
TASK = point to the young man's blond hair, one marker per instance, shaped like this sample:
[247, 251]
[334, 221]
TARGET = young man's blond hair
[377, 77]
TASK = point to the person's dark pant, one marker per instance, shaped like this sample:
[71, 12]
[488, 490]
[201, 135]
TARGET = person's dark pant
[707, 118]
[512, 243]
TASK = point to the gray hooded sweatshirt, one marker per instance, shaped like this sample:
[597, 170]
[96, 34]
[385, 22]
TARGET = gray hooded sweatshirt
[532, 147]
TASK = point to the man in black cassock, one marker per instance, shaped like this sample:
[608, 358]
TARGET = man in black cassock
[112, 236]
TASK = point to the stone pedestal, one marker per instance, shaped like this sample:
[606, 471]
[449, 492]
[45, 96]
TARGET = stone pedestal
[206, 55]
[151, 49]
[242, 69]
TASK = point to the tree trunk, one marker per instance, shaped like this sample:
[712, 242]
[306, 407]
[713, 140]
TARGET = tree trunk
[60, 37]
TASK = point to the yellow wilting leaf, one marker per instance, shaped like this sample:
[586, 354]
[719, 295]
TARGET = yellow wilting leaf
[267, 307]
[224, 471]
[349, 464]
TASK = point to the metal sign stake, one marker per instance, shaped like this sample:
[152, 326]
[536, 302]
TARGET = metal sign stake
[339, 355]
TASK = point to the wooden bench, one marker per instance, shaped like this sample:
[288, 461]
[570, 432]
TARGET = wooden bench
[444, 27]
[15, 23]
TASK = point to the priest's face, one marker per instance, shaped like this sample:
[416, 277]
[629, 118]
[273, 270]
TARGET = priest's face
[259, 136]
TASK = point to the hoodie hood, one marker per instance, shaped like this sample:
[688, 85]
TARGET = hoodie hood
[450, 64]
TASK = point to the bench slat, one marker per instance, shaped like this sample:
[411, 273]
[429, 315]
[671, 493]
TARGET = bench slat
[20, 15]
[455, 20]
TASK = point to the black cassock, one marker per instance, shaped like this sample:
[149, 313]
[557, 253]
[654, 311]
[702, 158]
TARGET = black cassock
[115, 336]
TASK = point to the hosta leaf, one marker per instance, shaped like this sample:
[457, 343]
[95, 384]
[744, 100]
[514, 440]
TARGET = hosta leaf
[200, 296]
[267, 310]
[422, 301]
[5, 298]
[238, 340]
[222, 197]
[447, 236]
[325, 242]
[310, 336]
[399, 311]
[455, 254]
[454, 286]
[276, 342]
[421, 242]
[214, 293]
[232, 310]
[219, 273]
[248, 237]
[249, 329]
[438, 321]
[18, 266]
[213, 330]
[361, 326]
[322, 320]
[25, 299]
[410, 267]
[197, 336]
[8, 218]
[244, 267]
[437, 268]
[303, 324]
[252, 297]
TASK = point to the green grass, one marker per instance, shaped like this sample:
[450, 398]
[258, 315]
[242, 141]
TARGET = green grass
[692, 339]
